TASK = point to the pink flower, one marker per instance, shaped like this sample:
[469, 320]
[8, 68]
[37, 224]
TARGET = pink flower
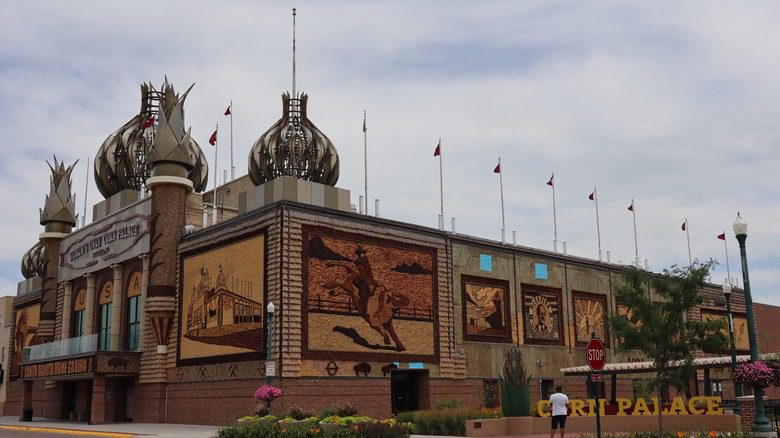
[756, 374]
[267, 393]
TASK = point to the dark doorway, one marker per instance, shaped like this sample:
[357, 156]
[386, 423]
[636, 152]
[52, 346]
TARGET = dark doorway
[68, 401]
[408, 389]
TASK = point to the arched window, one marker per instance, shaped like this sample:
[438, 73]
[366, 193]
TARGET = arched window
[79, 304]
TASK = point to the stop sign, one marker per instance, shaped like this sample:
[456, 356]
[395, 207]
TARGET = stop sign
[596, 354]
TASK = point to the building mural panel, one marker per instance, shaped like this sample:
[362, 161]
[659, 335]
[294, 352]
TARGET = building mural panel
[740, 327]
[222, 302]
[485, 309]
[24, 332]
[542, 318]
[368, 298]
[590, 316]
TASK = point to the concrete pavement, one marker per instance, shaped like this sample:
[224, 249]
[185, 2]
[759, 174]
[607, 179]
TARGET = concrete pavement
[116, 430]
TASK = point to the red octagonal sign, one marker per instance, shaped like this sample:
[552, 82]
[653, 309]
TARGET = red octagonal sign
[597, 356]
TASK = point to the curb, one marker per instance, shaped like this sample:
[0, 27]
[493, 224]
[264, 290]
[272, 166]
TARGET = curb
[68, 431]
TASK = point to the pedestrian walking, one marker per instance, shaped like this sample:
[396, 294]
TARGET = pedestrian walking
[560, 410]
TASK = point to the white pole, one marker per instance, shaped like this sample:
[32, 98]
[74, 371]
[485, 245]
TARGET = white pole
[376, 207]
[86, 191]
[365, 160]
[232, 167]
[501, 186]
[598, 226]
[636, 245]
[688, 236]
[555, 216]
[214, 195]
[728, 268]
[453, 225]
[361, 204]
[441, 188]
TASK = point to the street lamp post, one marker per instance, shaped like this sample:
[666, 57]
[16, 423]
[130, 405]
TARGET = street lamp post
[760, 422]
[269, 337]
[727, 294]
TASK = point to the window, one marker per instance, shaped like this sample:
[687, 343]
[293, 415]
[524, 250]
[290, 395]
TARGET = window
[104, 323]
[545, 389]
[78, 319]
[716, 387]
[104, 333]
[133, 336]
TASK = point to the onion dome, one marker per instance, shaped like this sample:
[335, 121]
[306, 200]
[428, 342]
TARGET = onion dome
[34, 261]
[123, 160]
[294, 147]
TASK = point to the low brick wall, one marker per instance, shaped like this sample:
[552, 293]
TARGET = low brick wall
[609, 424]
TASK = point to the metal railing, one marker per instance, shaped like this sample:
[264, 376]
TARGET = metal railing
[67, 347]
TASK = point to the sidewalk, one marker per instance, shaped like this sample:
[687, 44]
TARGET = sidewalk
[117, 430]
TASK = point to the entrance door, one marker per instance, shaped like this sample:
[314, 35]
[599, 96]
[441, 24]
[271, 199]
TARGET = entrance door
[405, 390]
[68, 401]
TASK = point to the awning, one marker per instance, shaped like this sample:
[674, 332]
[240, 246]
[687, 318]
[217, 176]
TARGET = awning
[647, 366]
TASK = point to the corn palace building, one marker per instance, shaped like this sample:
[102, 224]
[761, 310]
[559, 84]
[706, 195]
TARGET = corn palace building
[167, 306]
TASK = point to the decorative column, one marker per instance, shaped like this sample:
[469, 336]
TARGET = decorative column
[89, 310]
[58, 216]
[171, 159]
[144, 285]
[116, 309]
[67, 309]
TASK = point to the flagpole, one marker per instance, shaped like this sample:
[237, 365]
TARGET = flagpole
[232, 167]
[365, 161]
[216, 155]
[86, 191]
[728, 268]
[688, 236]
[441, 190]
[598, 226]
[636, 245]
[501, 185]
[555, 217]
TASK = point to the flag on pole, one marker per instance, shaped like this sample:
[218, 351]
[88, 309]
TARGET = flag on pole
[551, 183]
[631, 207]
[592, 195]
[437, 152]
[364, 122]
[684, 225]
[227, 111]
[213, 138]
[722, 236]
[498, 168]
[149, 122]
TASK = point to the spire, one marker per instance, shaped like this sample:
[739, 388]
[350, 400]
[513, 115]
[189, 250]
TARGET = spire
[59, 211]
[295, 96]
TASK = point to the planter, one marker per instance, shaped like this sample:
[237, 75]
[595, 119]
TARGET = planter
[329, 426]
[308, 424]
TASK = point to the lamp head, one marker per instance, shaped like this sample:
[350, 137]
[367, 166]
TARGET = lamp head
[270, 308]
[740, 226]
[727, 288]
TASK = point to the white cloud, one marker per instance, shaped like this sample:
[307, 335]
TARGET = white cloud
[671, 104]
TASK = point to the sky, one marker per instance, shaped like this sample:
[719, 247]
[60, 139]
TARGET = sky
[672, 104]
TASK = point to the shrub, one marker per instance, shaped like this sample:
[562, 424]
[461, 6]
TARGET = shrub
[373, 429]
[443, 422]
[448, 404]
[300, 413]
[346, 409]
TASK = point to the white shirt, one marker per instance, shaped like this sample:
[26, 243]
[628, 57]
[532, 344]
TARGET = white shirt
[559, 402]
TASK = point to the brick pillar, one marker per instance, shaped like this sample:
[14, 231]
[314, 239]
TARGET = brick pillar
[98, 410]
[47, 322]
[89, 310]
[67, 309]
[747, 413]
[117, 302]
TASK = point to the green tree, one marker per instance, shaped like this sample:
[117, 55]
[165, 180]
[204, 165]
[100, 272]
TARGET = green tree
[660, 328]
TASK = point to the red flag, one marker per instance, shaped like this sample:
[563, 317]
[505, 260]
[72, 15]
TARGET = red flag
[550, 182]
[498, 168]
[592, 196]
[149, 122]
[213, 138]
[722, 236]
[631, 207]
[684, 225]
[437, 152]
[227, 111]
